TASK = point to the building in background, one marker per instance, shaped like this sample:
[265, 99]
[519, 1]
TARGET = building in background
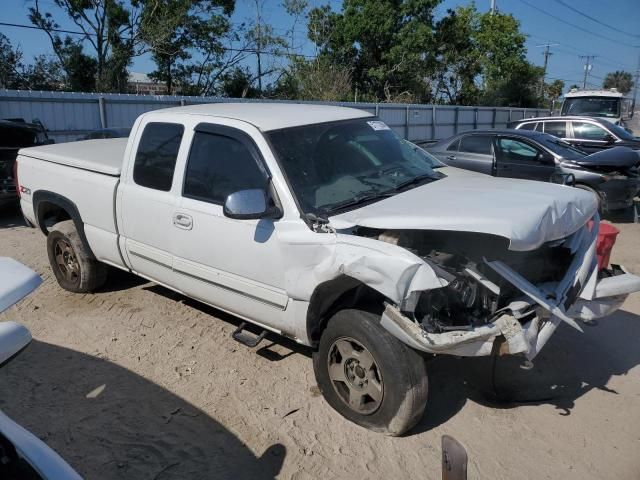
[142, 84]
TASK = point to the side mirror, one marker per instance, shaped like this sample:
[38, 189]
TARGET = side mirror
[561, 178]
[248, 205]
[545, 159]
[13, 339]
[609, 138]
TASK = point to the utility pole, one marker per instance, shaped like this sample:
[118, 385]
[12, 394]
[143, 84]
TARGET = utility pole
[635, 84]
[587, 68]
[493, 7]
[546, 54]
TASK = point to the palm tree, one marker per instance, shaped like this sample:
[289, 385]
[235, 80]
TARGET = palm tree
[622, 81]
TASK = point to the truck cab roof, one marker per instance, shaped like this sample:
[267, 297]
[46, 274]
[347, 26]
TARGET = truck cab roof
[270, 116]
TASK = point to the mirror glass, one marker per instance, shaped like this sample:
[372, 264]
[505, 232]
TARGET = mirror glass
[246, 204]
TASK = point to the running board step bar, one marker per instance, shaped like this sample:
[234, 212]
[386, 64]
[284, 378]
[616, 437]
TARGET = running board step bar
[247, 338]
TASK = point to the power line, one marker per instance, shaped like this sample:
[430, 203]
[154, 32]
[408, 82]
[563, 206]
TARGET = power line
[226, 49]
[617, 42]
[615, 29]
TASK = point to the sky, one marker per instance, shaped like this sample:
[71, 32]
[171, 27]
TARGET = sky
[543, 21]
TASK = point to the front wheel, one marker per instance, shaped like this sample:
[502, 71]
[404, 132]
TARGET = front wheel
[369, 376]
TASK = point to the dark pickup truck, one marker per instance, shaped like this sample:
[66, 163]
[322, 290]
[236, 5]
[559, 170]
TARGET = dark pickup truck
[14, 135]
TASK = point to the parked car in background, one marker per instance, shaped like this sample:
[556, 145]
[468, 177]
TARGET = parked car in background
[321, 224]
[14, 135]
[610, 105]
[586, 133]
[611, 174]
[118, 132]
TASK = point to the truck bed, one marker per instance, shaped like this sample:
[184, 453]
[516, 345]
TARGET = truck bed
[101, 156]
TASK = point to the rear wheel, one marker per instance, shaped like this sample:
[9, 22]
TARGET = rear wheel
[74, 268]
[369, 376]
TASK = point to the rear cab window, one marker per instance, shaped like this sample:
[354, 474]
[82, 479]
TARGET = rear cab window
[155, 161]
[481, 144]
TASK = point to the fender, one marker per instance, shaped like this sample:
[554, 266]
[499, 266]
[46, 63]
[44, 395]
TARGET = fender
[44, 196]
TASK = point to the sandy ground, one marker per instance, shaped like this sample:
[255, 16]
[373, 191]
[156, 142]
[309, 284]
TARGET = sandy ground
[136, 382]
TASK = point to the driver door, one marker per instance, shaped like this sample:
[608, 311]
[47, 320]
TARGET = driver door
[516, 158]
[233, 264]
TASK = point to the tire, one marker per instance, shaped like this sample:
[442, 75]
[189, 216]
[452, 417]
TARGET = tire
[74, 268]
[586, 188]
[386, 379]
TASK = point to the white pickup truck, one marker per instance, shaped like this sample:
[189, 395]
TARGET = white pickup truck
[321, 224]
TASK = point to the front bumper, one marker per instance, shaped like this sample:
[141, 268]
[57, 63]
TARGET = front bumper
[580, 295]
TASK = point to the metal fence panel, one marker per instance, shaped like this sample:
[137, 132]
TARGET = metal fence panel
[69, 115]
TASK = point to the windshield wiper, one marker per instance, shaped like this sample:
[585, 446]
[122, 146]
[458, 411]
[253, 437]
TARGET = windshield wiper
[416, 180]
[359, 200]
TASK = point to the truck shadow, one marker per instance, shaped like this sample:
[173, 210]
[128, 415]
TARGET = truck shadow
[570, 365]
[109, 423]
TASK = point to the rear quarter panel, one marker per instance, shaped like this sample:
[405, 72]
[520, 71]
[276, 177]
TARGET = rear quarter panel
[92, 193]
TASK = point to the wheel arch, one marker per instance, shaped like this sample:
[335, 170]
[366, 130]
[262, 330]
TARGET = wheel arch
[51, 207]
[337, 294]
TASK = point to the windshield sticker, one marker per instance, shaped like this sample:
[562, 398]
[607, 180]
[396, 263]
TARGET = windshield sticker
[378, 125]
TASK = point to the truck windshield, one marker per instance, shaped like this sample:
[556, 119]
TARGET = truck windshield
[337, 165]
[592, 106]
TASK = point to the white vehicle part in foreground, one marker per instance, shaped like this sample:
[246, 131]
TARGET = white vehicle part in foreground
[43, 459]
[16, 282]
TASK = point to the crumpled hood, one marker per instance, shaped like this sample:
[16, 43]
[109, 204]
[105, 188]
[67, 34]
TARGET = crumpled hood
[622, 157]
[527, 213]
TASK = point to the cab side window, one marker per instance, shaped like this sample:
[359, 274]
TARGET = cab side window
[528, 126]
[589, 131]
[156, 157]
[482, 144]
[219, 165]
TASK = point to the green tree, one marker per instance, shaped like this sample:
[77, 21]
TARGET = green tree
[175, 29]
[110, 27]
[508, 78]
[238, 83]
[554, 89]
[44, 74]
[458, 59]
[10, 64]
[389, 44]
[621, 80]
[317, 79]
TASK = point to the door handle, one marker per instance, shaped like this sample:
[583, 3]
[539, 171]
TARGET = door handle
[451, 157]
[182, 220]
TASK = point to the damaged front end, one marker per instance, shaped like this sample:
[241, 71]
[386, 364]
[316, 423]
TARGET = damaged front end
[496, 301]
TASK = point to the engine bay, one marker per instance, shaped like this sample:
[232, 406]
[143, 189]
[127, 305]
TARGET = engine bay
[475, 293]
